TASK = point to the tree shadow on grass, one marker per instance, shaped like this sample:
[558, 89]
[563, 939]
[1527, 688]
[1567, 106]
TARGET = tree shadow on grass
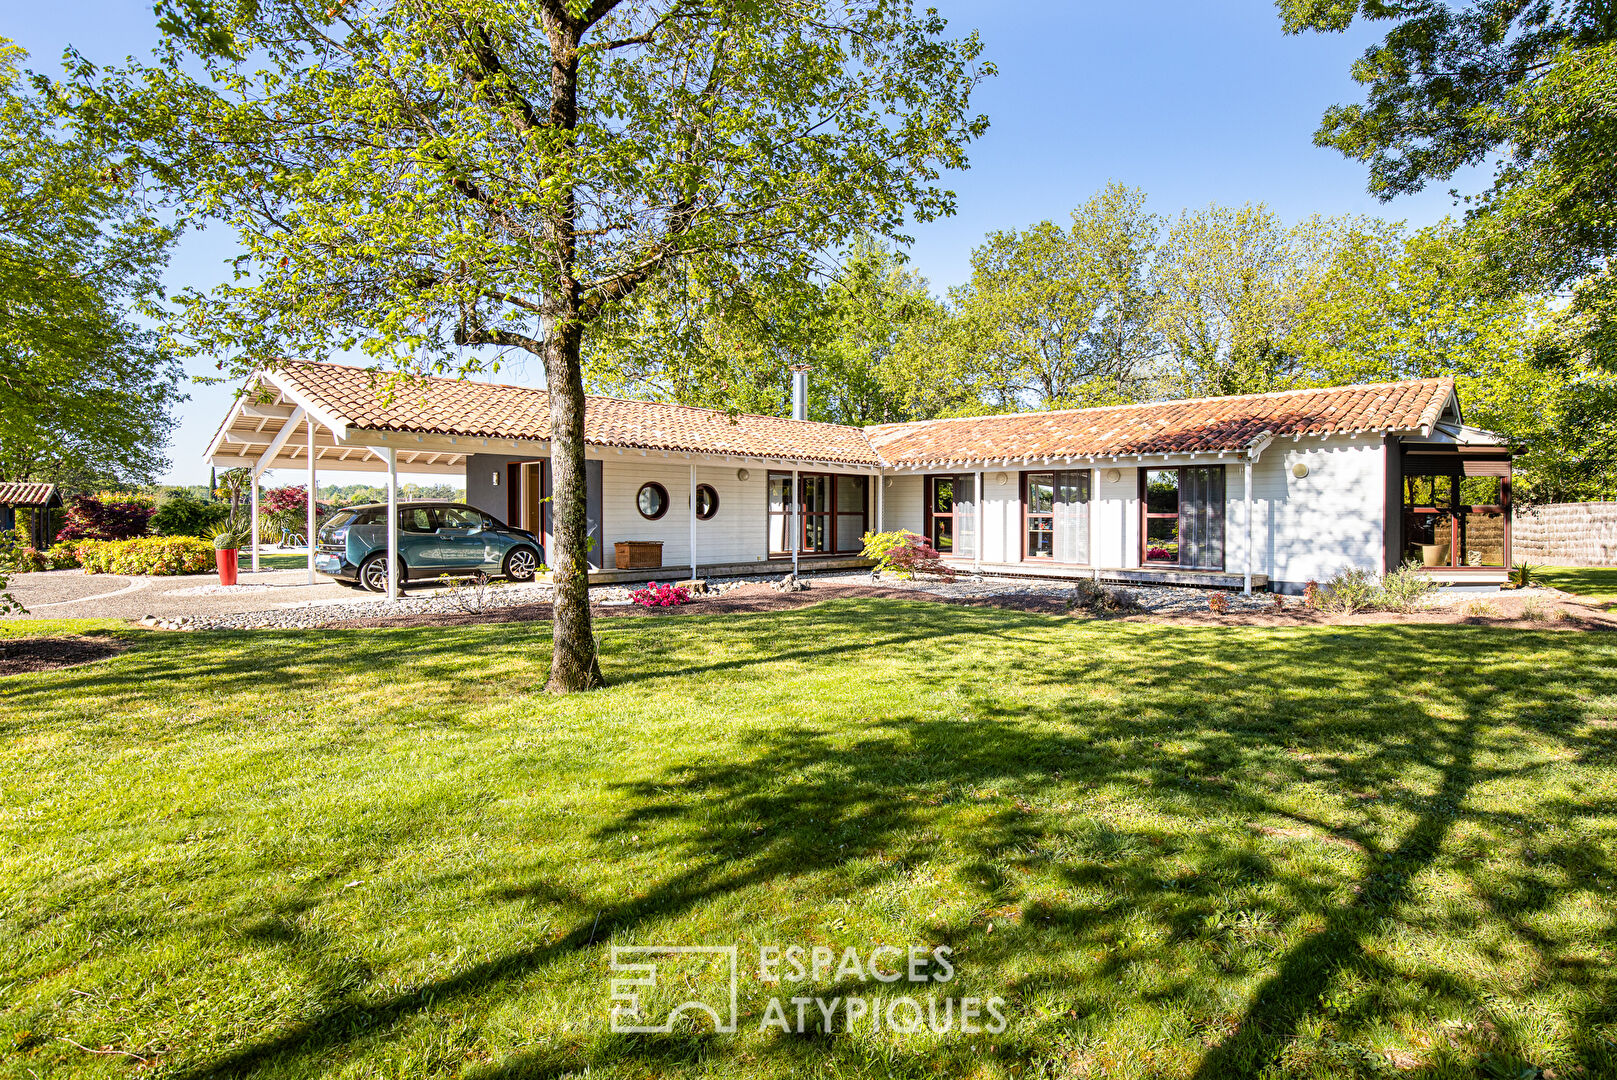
[1016, 766]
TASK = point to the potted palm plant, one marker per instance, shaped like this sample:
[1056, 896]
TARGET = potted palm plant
[226, 545]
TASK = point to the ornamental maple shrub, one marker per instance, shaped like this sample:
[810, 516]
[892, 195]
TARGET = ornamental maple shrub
[88, 518]
[906, 554]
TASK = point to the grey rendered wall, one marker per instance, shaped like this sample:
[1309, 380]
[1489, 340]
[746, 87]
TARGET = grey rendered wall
[483, 493]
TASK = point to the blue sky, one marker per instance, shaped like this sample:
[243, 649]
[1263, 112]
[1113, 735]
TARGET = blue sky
[1194, 101]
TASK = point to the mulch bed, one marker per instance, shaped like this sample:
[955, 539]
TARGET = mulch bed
[20, 655]
[1502, 611]
[746, 600]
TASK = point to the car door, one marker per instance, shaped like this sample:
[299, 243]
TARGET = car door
[463, 539]
[418, 538]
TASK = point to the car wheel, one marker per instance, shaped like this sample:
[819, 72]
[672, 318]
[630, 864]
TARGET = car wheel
[373, 574]
[521, 564]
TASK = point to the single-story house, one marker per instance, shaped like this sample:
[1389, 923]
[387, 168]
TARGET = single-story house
[1255, 490]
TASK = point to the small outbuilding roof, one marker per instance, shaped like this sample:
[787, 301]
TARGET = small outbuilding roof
[28, 494]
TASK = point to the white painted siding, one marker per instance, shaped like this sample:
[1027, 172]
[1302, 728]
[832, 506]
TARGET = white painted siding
[1116, 517]
[738, 533]
[1002, 514]
[1311, 527]
[902, 506]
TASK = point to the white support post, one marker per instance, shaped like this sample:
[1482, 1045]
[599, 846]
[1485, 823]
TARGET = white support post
[797, 521]
[254, 506]
[1246, 493]
[978, 532]
[311, 500]
[392, 523]
[881, 516]
[693, 521]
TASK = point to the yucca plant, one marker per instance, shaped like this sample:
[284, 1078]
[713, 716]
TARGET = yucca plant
[234, 536]
[1522, 576]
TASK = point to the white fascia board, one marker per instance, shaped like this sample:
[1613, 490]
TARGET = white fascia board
[337, 425]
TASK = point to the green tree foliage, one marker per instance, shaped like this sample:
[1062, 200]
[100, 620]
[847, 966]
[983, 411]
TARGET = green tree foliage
[85, 392]
[865, 333]
[359, 494]
[507, 173]
[1230, 283]
[184, 514]
[1527, 87]
[1059, 317]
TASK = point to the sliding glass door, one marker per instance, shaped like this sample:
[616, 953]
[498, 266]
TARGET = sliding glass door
[951, 515]
[1055, 516]
[834, 513]
[1182, 517]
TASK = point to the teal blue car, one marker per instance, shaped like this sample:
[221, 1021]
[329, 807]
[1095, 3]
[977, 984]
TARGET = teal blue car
[435, 538]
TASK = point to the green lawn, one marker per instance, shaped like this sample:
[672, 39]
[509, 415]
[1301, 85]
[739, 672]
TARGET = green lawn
[1175, 852]
[1597, 583]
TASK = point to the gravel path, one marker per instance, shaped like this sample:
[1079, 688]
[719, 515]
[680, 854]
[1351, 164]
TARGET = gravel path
[466, 600]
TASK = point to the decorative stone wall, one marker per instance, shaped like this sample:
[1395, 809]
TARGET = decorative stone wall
[1566, 534]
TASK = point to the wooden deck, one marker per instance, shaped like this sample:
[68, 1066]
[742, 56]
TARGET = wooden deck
[1125, 575]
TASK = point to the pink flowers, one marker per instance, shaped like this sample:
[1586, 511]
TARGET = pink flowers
[655, 595]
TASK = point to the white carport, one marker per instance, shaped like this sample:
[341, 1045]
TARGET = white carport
[273, 425]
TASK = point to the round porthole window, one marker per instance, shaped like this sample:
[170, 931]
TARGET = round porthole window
[742, 475]
[1299, 470]
[707, 502]
[652, 501]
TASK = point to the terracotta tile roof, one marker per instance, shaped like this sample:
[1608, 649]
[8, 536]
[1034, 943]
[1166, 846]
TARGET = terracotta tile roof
[23, 494]
[1170, 427]
[428, 405]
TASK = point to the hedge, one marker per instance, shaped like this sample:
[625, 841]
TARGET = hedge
[146, 555]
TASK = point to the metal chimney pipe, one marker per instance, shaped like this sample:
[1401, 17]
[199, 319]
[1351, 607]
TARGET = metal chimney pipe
[800, 391]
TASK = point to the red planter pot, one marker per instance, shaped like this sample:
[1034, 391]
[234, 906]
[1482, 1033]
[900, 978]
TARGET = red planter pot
[227, 565]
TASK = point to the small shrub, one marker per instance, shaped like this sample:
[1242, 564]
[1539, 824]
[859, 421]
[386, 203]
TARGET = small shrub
[1350, 591]
[61, 557]
[1311, 594]
[146, 555]
[1279, 601]
[1522, 576]
[906, 554]
[18, 557]
[655, 595]
[1535, 609]
[1091, 596]
[1403, 589]
[183, 514]
[1218, 603]
[88, 518]
[1479, 609]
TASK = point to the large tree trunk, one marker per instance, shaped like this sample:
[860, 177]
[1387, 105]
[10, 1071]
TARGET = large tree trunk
[573, 663]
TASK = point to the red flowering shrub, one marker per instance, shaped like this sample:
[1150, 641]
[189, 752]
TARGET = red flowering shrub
[655, 595]
[1311, 594]
[1159, 554]
[1218, 603]
[88, 518]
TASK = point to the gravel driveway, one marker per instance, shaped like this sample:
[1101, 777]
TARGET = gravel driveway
[73, 594]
